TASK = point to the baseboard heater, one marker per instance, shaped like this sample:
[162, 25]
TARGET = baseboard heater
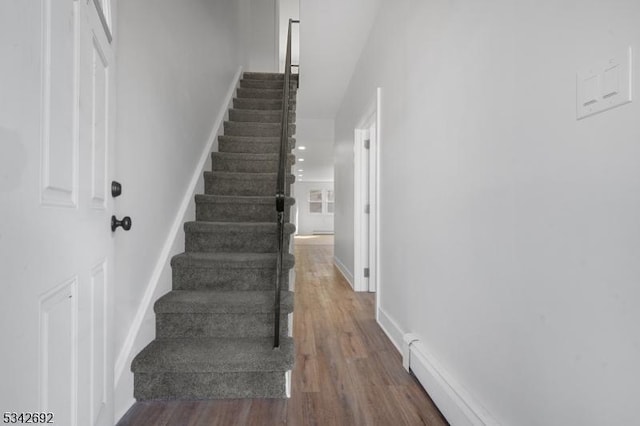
[458, 407]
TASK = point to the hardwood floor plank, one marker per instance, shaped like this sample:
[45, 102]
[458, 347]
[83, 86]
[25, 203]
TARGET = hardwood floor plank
[347, 371]
[267, 412]
[224, 412]
[307, 379]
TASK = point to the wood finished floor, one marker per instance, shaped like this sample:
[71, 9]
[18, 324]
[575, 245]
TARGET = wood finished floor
[347, 372]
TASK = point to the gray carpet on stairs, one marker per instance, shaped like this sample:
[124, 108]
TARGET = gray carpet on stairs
[214, 330]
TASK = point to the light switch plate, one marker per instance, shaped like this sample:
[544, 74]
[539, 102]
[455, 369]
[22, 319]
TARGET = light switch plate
[605, 85]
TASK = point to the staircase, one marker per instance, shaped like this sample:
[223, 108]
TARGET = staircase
[214, 330]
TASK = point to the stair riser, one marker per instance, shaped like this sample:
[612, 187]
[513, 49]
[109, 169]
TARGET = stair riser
[270, 384]
[261, 104]
[218, 325]
[218, 185]
[243, 166]
[252, 147]
[266, 84]
[243, 115]
[263, 93]
[226, 279]
[267, 76]
[222, 164]
[236, 212]
[231, 242]
[259, 130]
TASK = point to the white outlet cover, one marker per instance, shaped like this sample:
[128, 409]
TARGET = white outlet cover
[605, 85]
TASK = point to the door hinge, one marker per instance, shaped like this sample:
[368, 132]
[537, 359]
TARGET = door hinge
[367, 208]
[366, 272]
[367, 143]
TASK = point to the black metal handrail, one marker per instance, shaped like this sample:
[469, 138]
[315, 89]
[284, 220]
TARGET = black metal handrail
[281, 184]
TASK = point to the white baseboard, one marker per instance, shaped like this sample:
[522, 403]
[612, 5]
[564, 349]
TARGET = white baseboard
[390, 328]
[344, 271]
[453, 401]
[135, 340]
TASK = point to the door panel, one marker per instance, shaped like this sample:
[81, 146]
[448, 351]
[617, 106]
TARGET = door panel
[99, 126]
[60, 29]
[56, 129]
[57, 369]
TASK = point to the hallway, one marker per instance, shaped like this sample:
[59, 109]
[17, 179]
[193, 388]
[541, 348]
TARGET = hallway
[347, 372]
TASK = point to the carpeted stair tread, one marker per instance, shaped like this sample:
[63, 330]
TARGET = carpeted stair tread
[233, 183]
[252, 144]
[239, 199]
[229, 183]
[230, 260]
[251, 83]
[248, 162]
[258, 116]
[224, 271]
[243, 237]
[248, 156]
[229, 208]
[207, 355]
[243, 92]
[240, 128]
[262, 104]
[267, 76]
[237, 227]
[221, 302]
[256, 139]
[249, 176]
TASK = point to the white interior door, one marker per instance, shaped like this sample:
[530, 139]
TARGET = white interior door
[365, 200]
[371, 217]
[366, 209]
[56, 246]
[362, 209]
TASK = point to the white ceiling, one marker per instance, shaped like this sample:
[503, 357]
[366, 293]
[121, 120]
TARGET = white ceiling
[332, 35]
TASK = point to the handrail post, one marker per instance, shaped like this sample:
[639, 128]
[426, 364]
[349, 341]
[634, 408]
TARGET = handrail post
[281, 187]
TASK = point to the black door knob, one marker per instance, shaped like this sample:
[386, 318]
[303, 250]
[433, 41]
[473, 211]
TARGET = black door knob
[125, 223]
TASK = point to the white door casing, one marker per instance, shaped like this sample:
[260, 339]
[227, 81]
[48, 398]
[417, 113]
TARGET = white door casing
[362, 208]
[366, 208]
[56, 247]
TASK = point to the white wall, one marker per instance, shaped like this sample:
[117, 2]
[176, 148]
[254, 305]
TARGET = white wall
[264, 36]
[509, 230]
[176, 63]
[317, 136]
[308, 223]
[332, 34]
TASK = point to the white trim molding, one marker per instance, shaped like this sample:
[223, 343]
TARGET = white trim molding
[457, 405]
[133, 340]
[343, 270]
[366, 184]
[390, 328]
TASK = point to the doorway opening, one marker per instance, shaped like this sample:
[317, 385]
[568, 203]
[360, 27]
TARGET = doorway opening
[366, 208]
